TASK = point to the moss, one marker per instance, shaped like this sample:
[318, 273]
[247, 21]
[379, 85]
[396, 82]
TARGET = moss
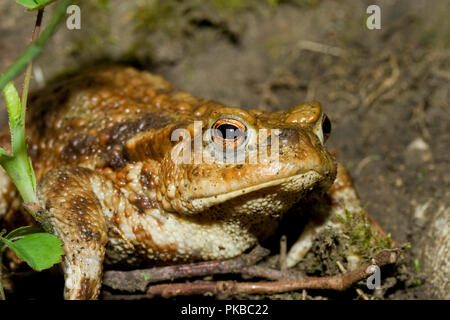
[362, 238]
[355, 237]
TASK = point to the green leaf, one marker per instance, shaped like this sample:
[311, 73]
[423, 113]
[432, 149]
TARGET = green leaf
[31, 174]
[13, 103]
[22, 232]
[18, 143]
[19, 233]
[39, 250]
[34, 4]
[18, 165]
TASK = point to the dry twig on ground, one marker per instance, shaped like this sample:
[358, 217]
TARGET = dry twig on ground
[137, 280]
[338, 282]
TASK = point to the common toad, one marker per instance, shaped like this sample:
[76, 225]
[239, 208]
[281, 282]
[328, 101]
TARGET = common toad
[102, 148]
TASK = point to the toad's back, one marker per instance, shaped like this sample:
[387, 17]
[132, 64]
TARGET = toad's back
[89, 118]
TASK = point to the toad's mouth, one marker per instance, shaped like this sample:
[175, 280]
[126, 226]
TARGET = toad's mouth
[298, 183]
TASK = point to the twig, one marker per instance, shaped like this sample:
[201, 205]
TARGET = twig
[283, 253]
[110, 296]
[268, 273]
[386, 85]
[419, 118]
[35, 48]
[137, 280]
[338, 282]
[322, 48]
[303, 294]
[366, 161]
[2, 291]
[358, 290]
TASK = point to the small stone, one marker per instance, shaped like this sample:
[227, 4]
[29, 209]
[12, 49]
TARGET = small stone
[419, 149]
[353, 262]
[435, 249]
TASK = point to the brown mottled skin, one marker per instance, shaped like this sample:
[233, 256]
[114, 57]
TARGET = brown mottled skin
[100, 143]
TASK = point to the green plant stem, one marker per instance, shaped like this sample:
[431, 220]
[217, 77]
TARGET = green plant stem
[17, 169]
[26, 81]
[35, 48]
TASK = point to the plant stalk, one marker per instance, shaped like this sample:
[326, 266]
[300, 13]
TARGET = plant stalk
[35, 48]
[17, 170]
[26, 81]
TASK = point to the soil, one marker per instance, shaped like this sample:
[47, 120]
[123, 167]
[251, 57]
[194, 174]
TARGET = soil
[386, 91]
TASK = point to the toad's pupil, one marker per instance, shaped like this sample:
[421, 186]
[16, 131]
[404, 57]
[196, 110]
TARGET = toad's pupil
[229, 131]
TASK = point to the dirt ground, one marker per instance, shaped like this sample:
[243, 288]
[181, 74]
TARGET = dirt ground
[386, 91]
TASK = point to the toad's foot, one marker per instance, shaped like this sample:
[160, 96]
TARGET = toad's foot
[76, 216]
[341, 197]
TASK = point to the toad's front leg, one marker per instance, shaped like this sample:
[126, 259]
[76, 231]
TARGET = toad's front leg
[341, 198]
[75, 214]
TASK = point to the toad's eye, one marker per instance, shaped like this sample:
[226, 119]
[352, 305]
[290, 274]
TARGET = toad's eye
[229, 133]
[326, 127]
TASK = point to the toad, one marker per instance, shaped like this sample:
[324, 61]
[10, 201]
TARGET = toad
[122, 181]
